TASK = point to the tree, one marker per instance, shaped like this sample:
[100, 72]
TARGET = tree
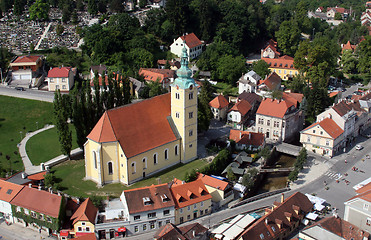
[230, 174]
[364, 56]
[39, 11]
[248, 179]
[142, 3]
[74, 17]
[230, 68]
[204, 114]
[62, 111]
[261, 68]
[190, 176]
[66, 13]
[18, 7]
[349, 62]
[338, 16]
[293, 176]
[92, 7]
[155, 88]
[178, 14]
[141, 58]
[59, 29]
[288, 37]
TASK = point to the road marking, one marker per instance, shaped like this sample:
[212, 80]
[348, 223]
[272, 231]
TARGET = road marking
[333, 175]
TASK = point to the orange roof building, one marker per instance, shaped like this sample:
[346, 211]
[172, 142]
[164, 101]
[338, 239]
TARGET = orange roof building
[324, 137]
[219, 107]
[283, 66]
[270, 51]
[192, 44]
[33, 62]
[239, 113]
[245, 139]
[84, 218]
[279, 119]
[191, 199]
[8, 191]
[164, 76]
[134, 141]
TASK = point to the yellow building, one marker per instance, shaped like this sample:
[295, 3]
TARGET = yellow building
[192, 200]
[134, 141]
[324, 137]
[283, 66]
[84, 219]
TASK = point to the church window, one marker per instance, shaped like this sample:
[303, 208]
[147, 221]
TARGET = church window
[166, 154]
[190, 133]
[176, 150]
[133, 168]
[110, 168]
[177, 115]
[190, 95]
[155, 158]
[177, 96]
[190, 145]
[144, 163]
[95, 159]
[190, 115]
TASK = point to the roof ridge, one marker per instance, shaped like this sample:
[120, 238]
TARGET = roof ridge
[146, 187]
[113, 130]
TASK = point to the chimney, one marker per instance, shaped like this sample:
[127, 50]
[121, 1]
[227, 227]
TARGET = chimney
[282, 197]
[266, 221]
[24, 175]
[59, 193]
[194, 233]
[78, 201]
[249, 135]
[240, 134]
[30, 185]
[39, 187]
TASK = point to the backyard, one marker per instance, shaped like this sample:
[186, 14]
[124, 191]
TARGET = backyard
[17, 117]
[45, 146]
[70, 176]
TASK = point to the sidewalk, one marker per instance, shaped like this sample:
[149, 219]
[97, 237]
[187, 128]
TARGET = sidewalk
[17, 232]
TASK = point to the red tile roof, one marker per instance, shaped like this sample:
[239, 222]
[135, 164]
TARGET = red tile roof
[27, 59]
[9, 190]
[159, 195]
[333, 94]
[219, 102]
[87, 236]
[212, 182]
[144, 122]
[338, 9]
[349, 46]
[364, 189]
[172, 232]
[285, 61]
[272, 45]
[185, 194]
[279, 216]
[171, 63]
[154, 74]
[86, 212]
[274, 108]
[191, 40]
[293, 97]
[37, 176]
[252, 98]
[329, 126]
[59, 72]
[272, 81]
[247, 138]
[342, 228]
[242, 107]
[38, 201]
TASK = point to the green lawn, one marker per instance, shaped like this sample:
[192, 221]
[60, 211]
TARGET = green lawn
[226, 89]
[18, 116]
[71, 173]
[45, 146]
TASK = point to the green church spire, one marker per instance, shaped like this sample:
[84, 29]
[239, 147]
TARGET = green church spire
[184, 79]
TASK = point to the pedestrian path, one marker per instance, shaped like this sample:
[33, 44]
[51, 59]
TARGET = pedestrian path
[333, 175]
[43, 36]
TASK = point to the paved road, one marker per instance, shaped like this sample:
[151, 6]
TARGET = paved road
[28, 94]
[18, 232]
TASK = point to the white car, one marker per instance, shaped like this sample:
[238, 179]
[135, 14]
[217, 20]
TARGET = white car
[359, 147]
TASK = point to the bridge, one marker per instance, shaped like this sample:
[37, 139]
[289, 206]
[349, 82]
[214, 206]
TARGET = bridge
[288, 149]
[276, 170]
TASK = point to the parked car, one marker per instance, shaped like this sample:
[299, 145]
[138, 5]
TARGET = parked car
[20, 89]
[359, 147]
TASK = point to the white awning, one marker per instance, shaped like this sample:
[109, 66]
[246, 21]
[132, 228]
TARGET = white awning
[318, 207]
[312, 216]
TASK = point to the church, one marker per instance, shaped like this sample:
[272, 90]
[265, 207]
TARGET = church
[137, 140]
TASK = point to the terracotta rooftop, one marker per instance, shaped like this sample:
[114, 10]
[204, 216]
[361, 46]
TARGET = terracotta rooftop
[154, 74]
[219, 102]
[333, 94]
[212, 182]
[293, 97]
[276, 222]
[364, 189]
[27, 59]
[252, 98]
[85, 212]
[242, 107]
[9, 190]
[144, 122]
[329, 126]
[86, 236]
[59, 72]
[340, 227]
[158, 196]
[185, 194]
[272, 45]
[343, 108]
[172, 232]
[37, 176]
[285, 62]
[100, 69]
[38, 201]
[171, 63]
[274, 108]
[247, 138]
[349, 46]
[191, 40]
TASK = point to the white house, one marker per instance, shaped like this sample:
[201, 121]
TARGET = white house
[60, 78]
[193, 46]
[8, 191]
[238, 114]
[248, 82]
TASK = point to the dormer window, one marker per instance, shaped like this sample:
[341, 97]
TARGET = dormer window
[147, 201]
[164, 198]
[191, 195]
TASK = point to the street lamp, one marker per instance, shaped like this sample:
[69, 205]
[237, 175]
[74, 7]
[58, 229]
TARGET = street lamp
[37, 125]
[21, 134]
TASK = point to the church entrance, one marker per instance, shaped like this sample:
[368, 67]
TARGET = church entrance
[144, 174]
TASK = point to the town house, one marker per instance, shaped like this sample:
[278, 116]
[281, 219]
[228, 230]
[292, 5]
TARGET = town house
[61, 78]
[192, 44]
[8, 191]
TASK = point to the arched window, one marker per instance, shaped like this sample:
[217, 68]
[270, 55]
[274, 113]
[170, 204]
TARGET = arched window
[166, 154]
[144, 163]
[133, 168]
[155, 159]
[176, 150]
[95, 159]
[110, 168]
